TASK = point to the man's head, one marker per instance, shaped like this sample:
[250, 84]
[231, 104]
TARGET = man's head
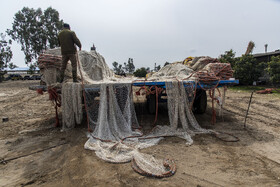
[66, 26]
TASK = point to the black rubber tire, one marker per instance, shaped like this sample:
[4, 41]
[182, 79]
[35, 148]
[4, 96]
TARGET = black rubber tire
[151, 101]
[200, 102]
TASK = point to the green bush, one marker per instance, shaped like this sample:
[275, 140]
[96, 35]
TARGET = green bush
[247, 70]
[273, 70]
[140, 72]
[228, 57]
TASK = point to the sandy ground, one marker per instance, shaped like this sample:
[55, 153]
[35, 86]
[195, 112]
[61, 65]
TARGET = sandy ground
[252, 161]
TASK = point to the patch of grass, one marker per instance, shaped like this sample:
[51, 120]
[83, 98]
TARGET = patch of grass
[247, 88]
[253, 88]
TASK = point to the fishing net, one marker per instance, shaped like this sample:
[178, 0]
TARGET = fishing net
[172, 70]
[116, 115]
[49, 65]
[72, 112]
[221, 70]
[116, 136]
[199, 63]
[93, 66]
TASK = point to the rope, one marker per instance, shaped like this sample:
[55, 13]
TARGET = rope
[212, 96]
[84, 93]
[49, 58]
[149, 91]
[169, 165]
[49, 61]
[236, 139]
[56, 99]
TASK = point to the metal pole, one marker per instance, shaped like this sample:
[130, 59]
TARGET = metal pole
[248, 109]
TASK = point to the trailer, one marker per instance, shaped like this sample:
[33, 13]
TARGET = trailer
[199, 103]
[200, 100]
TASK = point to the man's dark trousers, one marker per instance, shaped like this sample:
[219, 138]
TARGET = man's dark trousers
[65, 59]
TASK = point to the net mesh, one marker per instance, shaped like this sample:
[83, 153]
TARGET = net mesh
[116, 114]
[115, 137]
[72, 112]
[93, 67]
[111, 115]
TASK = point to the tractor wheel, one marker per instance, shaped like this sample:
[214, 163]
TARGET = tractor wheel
[200, 102]
[151, 101]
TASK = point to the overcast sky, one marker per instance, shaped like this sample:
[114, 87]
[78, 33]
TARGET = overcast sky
[156, 31]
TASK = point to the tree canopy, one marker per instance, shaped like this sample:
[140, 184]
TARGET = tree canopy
[228, 57]
[157, 68]
[35, 31]
[129, 66]
[140, 72]
[5, 51]
[5, 54]
[247, 69]
[120, 69]
[273, 69]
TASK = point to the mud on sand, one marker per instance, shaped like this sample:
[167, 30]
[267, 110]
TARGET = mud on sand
[253, 161]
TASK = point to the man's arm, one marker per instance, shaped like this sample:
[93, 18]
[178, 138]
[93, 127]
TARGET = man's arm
[76, 40]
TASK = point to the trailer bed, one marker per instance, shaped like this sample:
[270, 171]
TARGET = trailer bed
[221, 83]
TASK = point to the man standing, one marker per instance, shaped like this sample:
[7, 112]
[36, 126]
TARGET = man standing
[67, 40]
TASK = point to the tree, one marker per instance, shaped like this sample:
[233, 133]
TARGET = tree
[157, 68]
[12, 66]
[273, 69]
[247, 70]
[148, 70]
[129, 66]
[5, 54]
[228, 57]
[118, 69]
[125, 67]
[35, 31]
[115, 67]
[51, 26]
[32, 69]
[140, 72]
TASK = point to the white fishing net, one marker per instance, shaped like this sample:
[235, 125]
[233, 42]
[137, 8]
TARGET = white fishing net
[199, 63]
[172, 71]
[93, 68]
[49, 68]
[116, 138]
[49, 75]
[116, 115]
[116, 135]
[72, 111]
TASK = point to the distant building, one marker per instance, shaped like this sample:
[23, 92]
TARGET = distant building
[266, 57]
